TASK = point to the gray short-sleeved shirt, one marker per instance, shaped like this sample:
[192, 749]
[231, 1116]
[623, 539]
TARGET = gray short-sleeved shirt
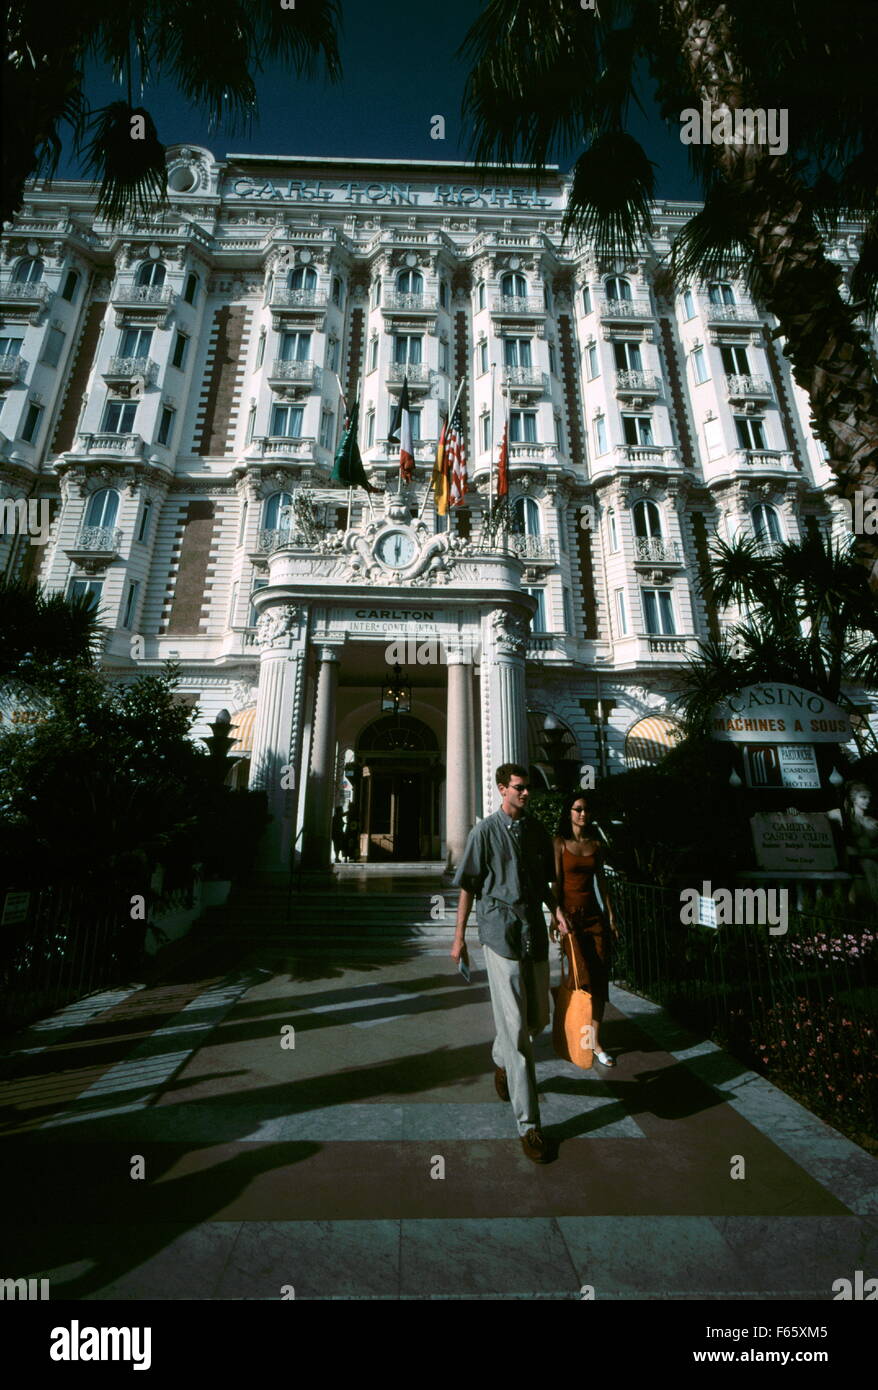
[509, 885]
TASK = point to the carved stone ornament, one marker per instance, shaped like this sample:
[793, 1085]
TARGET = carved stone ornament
[510, 632]
[276, 625]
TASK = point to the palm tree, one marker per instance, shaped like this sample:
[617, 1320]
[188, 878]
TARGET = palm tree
[552, 75]
[40, 629]
[210, 48]
[810, 620]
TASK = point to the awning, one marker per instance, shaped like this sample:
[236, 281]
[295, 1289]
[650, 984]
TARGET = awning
[242, 730]
[647, 741]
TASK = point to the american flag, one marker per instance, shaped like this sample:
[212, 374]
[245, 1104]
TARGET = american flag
[455, 455]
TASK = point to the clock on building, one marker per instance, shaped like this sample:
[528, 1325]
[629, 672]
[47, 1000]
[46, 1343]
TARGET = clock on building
[395, 549]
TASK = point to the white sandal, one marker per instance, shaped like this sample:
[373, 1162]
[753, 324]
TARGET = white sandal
[605, 1059]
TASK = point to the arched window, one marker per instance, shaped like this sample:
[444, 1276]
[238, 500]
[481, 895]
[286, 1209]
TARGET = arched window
[647, 521]
[103, 508]
[513, 285]
[618, 288]
[28, 272]
[721, 292]
[410, 282]
[304, 277]
[766, 524]
[273, 506]
[151, 273]
[526, 516]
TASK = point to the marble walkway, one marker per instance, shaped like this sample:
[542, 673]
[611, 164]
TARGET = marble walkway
[262, 1123]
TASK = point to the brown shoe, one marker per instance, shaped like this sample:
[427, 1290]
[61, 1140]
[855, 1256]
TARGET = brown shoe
[501, 1085]
[535, 1146]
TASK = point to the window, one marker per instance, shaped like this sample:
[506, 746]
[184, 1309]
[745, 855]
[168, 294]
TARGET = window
[600, 434]
[407, 349]
[242, 525]
[103, 508]
[586, 299]
[273, 520]
[119, 417]
[721, 292]
[144, 520]
[135, 342]
[181, 343]
[618, 288]
[71, 280]
[251, 425]
[336, 290]
[628, 357]
[166, 425]
[151, 273]
[568, 610]
[658, 611]
[688, 304]
[53, 347]
[750, 432]
[286, 421]
[87, 588]
[516, 352]
[131, 602]
[294, 347]
[538, 621]
[410, 282]
[443, 357]
[766, 524]
[233, 604]
[31, 422]
[513, 285]
[303, 277]
[621, 612]
[525, 517]
[260, 350]
[522, 427]
[553, 360]
[699, 365]
[415, 417]
[647, 521]
[443, 293]
[253, 614]
[327, 424]
[483, 358]
[547, 298]
[638, 430]
[10, 347]
[735, 361]
[612, 530]
[373, 354]
[376, 294]
[713, 439]
[593, 361]
[481, 294]
[370, 429]
[486, 431]
[191, 289]
[559, 433]
[332, 349]
[29, 272]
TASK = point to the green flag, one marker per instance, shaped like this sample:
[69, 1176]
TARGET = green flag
[348, 468]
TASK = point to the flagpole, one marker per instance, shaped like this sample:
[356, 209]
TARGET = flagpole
[491, 458]
[449, 416]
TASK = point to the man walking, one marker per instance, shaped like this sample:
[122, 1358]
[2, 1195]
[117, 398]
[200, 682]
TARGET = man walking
[508, 864]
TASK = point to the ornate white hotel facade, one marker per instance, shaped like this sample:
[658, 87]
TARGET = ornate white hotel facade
[170, 392]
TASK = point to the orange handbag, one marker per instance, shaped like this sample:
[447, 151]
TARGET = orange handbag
[572, 1028]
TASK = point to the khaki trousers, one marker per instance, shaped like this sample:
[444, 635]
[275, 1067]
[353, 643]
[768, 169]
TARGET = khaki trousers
[520, 1003]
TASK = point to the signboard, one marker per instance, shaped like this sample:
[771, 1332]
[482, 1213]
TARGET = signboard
[794, 841]
[388, 193]
[779, 714]
[19, 704]
[782, 765]
[15, 908]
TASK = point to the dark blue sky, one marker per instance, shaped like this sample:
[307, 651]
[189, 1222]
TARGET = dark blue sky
[399, 71]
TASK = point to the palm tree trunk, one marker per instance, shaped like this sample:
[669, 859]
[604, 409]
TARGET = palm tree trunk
[800, 286]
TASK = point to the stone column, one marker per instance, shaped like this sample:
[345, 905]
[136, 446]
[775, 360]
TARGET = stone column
[503, 697]
[459, 757]
[277, 730]
[321, 782]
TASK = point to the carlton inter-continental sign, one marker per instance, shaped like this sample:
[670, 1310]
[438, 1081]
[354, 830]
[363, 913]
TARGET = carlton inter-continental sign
[780, 714]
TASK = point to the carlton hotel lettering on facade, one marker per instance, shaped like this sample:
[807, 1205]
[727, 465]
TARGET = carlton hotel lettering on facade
[170, 391]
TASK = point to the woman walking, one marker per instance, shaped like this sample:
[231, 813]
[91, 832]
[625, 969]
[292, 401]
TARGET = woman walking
[581, 890]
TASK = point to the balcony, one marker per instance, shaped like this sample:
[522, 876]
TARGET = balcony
[625, 310]
[305, 452]
[28, 297]
[653, 550]
[520, 305]
[95, 547]
[418, 374]
[777, 460]
[292, 300]
[539, 548]
[730, 313]
[12, 368]
[126, 370]
[635, 383]
[524, 383]
[145, 297]
[547, 646]
[396, 302]
[125, 446]
[295, 377]
[669, 646]
[647, 455]
[744, 388]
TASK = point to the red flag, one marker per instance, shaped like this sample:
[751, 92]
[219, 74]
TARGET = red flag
[455, 454]
[503, 464]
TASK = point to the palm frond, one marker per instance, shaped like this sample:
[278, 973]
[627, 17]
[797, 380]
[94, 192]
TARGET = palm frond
[611, 192]
[131, 172]
[716, 243]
